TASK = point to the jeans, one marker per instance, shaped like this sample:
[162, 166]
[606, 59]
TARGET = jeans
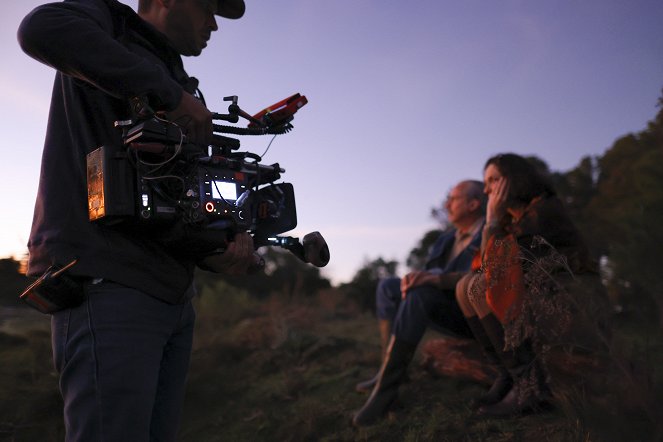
[122, 357]
[424, 306]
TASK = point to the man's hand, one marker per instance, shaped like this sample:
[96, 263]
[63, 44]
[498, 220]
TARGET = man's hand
[239, 258]
[195, 118]
[416, 279]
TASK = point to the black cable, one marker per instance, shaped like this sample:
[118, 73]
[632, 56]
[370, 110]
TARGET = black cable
[268, 146]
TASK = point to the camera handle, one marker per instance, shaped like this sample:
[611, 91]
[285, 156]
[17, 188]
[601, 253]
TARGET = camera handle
[256, 126]
[234, 112]
[313, 249]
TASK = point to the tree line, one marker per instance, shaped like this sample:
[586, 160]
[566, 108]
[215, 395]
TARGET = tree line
[616, 200]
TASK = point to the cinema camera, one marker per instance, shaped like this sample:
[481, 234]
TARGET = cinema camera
[194, 198]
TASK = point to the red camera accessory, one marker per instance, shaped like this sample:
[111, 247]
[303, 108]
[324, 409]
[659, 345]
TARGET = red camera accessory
[279, 113]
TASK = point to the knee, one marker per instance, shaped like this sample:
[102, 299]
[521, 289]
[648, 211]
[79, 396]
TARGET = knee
[387, 297]
[475, 295]
[465, 296]
[424, 299]
[388, 289]
[461, 291]
[382, 285]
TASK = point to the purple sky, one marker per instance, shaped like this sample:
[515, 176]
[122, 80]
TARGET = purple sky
[405, 99]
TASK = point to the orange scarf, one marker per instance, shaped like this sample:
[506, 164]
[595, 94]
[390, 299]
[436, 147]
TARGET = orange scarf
[504, 277]
[504, 273]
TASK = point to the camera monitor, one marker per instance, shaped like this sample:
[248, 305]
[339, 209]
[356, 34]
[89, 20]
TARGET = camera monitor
[224, 190]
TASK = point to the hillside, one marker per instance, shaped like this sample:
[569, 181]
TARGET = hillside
[284, 369]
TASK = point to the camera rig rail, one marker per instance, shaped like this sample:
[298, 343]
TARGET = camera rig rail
[194, 198]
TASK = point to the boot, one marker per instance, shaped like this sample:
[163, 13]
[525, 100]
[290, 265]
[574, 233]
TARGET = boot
[529, 392]
[520, 400]
[384, 326]
[503, 382]
[391, 375]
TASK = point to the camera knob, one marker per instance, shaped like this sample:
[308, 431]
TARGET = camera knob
[316, 250]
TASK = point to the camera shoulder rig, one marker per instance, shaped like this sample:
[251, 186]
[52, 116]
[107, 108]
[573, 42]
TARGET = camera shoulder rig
[194, 198]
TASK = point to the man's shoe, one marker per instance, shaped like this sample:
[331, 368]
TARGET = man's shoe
[367, 385]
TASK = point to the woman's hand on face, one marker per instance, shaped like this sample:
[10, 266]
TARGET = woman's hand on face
[497, 201]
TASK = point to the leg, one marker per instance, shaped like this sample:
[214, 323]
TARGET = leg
[172, 379]
[387, 300]
[385, 392]
[414, 314]
[503, 382]
[429, 307]
[122, 358]
[528, 390]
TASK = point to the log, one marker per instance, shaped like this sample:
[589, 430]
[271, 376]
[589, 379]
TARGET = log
[459, 358]
[463, 358]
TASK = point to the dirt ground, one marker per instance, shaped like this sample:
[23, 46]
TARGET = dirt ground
[285, 369]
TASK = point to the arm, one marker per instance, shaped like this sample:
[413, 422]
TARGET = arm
[76, 38]
[495, 211]
[239, 258]
[446, 281]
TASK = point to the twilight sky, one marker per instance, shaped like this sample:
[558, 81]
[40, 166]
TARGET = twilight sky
[405, 99]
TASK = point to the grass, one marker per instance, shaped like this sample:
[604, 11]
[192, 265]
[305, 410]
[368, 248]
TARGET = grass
[273, 370]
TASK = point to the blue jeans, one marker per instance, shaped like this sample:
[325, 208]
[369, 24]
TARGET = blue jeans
[424, 306]
[122, 357]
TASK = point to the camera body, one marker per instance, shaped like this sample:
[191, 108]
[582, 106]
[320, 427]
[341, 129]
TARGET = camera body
[192, 199]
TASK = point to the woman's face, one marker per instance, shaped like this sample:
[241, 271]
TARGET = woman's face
[491, 177]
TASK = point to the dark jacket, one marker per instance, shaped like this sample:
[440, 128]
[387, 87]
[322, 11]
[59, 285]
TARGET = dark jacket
[443, 246]
[104, 54]
[546, 226]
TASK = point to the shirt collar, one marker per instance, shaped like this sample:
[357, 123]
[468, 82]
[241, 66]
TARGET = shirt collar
[471, 231]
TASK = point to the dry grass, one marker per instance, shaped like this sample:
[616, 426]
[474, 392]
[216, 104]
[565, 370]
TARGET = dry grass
[285, 371]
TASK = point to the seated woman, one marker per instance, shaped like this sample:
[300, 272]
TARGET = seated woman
[537, 288]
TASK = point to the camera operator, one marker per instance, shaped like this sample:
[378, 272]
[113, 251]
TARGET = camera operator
[122, 354]
[406, 307]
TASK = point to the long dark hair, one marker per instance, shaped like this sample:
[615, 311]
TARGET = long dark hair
[526, 182]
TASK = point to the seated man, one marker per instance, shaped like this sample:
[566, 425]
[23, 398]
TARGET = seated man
[405, 307]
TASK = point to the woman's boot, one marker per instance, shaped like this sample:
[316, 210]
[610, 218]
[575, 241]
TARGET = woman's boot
[529, 391]
[520, 400]
[391, 375]
[503, 382]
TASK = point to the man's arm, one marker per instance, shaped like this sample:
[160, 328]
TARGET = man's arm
[239, 257]
[446, 281]
[76, 38]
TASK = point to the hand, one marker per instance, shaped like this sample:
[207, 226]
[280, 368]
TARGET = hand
[195, 118]
[497, 201]
[239, 258]
[416, 279]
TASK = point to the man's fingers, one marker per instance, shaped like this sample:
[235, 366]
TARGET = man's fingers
[196, 119]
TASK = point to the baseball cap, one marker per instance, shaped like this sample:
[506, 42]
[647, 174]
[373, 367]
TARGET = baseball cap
[233, 9]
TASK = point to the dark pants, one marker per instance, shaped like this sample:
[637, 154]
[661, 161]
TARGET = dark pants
[123, 357]
[424, 306]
